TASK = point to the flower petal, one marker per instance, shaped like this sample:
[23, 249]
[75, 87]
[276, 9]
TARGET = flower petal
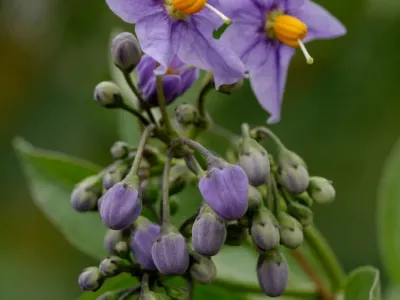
[159, 38]
[268, 80]
[321, 24]
[202, 51]
[188, 77]
[291, 5]
[132, 11]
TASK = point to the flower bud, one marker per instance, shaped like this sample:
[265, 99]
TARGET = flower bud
[229, 88]
[120, 150]
[170, 253]
[321, 190]
[142, 240]
[186, 114]
[254, 160]
[236, 235]
[121, 204]
[203, 269]
[302, 213]
[208, 232]
[114, 174]
[255, 198]
[125, 51]
[177, 293]
[293, 174]
[85, 194]
[225, 189]
[90, 279]
[272, 273]
[112, 266]
[290, 230]
[116, 241]
[265, 231]
[108, 94]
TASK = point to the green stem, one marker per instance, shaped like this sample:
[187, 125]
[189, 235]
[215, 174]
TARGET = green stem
[206, 86]
[225, 133]
[326, 256]
[276, 196]
[163, 105]
[272, 135]
[193, 144]
[191, 286]
[142, 102]
[140, 149]
[165, 189]
[136, 114]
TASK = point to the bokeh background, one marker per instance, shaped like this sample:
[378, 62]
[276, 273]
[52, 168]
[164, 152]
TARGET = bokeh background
[341, 115]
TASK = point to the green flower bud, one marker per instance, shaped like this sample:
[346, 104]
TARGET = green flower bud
[321, 190]
[186, 114]
[292, 170]
[112, 266]
[203, 269]
[86, 194]
[302, 213]
[120, 150]
[90, 279]
[236, 235]
[255, 198]
[229, 88]
[116, 241]
[290, 230]
[125, 51]
[177, 293]
[108, 94]
[264, 231]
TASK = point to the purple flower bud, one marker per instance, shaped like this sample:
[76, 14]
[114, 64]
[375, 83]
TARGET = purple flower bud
[142, 240]
[208, 232]
[321, 190]
[225, 189]
[85, 194]
[170, 253]
[125, 51]
[254, 160]
[115, 173]
[265, 231]
[90, 279]
[272, 273]
[203, 269]
[293, 174]
[108, 94]
[178, 79]
[290, 230]
[120, 150]
[112, 266]
[121, 204]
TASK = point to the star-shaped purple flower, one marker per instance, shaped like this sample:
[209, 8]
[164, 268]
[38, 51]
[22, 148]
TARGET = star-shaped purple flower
[164, 32]
[265, 33]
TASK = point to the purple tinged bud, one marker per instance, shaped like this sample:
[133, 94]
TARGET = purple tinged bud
[293, 174]
[170, 253]
[116, 241]
[125, 51]
[225, 189]
[208, 232]
[186, 114]
[108, 94]
[203, 269]
[321, 190]
[142, 240]
[272, 273]
[85, 194]
[121, 204]
[115, 173]
[90, 279]
[112, 266]
[290, 230]
[254, 160]
[265, 231]
[120, 150]
[255, 198]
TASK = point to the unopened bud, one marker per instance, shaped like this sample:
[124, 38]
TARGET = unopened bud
[272, 273]
[86, 194]
[293, 174]
[115, 173]
[236, 235]
[186, 114]
[229, 88]
[120, 150]
[108, 94]
[177, 293]
[208, 232]
[255, 198]
[125, 51]
[90, 279]
[203, 269]
[321, 190]
[116, 241]
[290, 230]
[265, 231]
[112, 266]
[254, 160]
[301, 212]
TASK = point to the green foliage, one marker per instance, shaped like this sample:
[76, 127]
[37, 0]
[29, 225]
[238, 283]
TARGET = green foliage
[363, 284]
[51, 177]
[388, 214]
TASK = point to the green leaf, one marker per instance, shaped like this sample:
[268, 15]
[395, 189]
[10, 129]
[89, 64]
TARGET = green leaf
[51, 177]
[392, 292]
[363, 284]
[389, 214]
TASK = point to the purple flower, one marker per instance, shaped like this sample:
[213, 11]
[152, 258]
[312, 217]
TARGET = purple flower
[166, 29]
[225, 189]
[178, 79]
[142, 241]
[264, 34]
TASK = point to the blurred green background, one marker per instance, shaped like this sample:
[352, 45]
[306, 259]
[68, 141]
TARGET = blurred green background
[341, 115]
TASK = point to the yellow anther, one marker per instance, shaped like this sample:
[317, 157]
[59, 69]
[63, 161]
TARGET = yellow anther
[289, 30]
[189, 7]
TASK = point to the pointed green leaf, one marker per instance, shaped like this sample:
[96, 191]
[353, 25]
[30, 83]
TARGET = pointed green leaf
[363, 284]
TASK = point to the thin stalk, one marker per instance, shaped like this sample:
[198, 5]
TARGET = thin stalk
[193, 144]
[163, 105]
[326, 256]
[129, 292]
[165, 189]
[142, 102]
[191, 286]
[276, 195]
[206, 86]
[140, 149]
[272, 135]
[137, 114]
[245, 130]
